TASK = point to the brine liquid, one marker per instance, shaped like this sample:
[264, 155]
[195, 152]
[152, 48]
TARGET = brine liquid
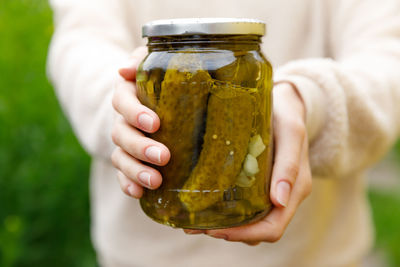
[216, 121]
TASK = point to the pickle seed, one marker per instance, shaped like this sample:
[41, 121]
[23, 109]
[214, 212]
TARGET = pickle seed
[228, 142]
[231, 153]
[214, 136]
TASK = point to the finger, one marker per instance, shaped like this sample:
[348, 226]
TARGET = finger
[272, 227]
[135, 170]
[266, 229]
[137, 145]
[129, 187]
[289, 138]
[129, 72]
[269, 229]
[193, 231]
[253, 243]
[303, 186]
[126, 103]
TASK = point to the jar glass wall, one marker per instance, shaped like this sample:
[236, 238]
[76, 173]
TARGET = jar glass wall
[213, 96]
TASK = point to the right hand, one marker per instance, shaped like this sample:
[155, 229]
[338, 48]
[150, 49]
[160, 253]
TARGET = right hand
[133, 148]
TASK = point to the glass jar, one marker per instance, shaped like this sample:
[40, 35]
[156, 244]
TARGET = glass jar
[211, 87]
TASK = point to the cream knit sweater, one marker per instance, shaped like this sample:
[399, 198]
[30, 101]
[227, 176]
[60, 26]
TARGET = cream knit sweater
[343, 55]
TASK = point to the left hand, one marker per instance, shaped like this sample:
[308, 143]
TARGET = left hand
[291, 176]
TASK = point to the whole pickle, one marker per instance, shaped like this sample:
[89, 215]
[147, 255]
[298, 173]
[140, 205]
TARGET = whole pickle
[245, 71]
[149, 82]
[230, 115]
[181, 109]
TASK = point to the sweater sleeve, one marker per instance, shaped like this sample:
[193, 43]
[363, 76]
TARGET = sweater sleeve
[352, 99]
[89, 44]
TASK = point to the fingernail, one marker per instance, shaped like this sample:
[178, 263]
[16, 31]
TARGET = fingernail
[145, 121]
[153, 153]
[145, 178]
[131, 190]
[219, 236]
[283, 193]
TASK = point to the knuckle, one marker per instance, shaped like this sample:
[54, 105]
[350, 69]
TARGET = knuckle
[252, 243]
[275, 235]
[138, 195]
[125, 189]
[116, 98]
[292, 170]
[130, 171]
[131, 120]
[308, 186]
[121, 180]
[114, 157]
[115, 134]
[270, 232]
[134, 147]
[298, 127]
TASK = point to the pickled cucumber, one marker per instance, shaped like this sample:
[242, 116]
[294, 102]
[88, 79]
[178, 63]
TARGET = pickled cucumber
[245, 71]
[230, 115]
[149, 82]
[181, 108]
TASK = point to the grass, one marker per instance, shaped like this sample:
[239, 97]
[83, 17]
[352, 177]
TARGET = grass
[386, 215]
[386, 211]
[44, 204]
[44, 207]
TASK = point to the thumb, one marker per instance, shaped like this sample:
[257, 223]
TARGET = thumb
[289, 137]
[129, 71]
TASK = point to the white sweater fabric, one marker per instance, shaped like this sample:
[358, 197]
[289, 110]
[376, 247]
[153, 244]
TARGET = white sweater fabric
[344, 57]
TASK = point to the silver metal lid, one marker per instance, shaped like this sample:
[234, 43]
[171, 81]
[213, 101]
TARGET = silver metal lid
[200, 26]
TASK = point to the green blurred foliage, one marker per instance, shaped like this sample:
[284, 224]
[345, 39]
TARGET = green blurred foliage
[44, 203]
[386, 214]
[44, 207]
[386, 211]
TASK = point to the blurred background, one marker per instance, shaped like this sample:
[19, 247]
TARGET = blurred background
[44, 202]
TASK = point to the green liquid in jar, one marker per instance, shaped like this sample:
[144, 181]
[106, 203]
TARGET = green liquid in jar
[214, 104]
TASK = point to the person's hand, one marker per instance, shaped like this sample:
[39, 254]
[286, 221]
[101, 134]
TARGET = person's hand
[291, 176]
[133, 147]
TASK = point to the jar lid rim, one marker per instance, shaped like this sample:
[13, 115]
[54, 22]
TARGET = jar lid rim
[204, 26]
